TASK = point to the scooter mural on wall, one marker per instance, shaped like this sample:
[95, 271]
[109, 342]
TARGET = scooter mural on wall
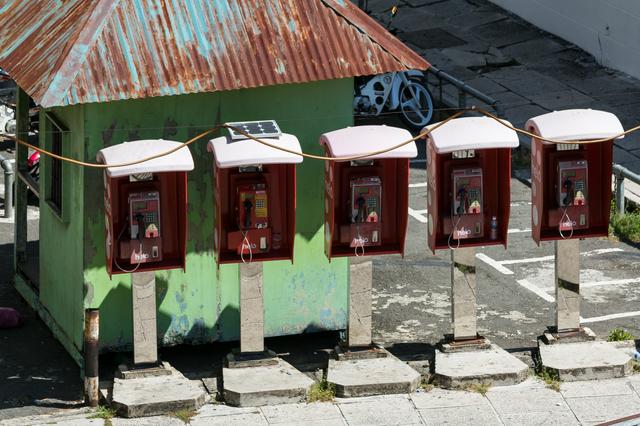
[392, 91]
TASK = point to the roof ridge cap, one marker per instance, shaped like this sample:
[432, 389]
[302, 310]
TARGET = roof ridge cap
[370, 21]
[69, 65]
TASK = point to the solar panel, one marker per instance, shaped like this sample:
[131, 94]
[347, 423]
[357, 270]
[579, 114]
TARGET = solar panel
[258, 129]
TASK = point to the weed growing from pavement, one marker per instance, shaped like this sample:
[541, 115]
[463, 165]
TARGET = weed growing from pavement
[105, 413]
[619, 335]
[626, 227]
[635, 365]
[185, 415]
[550, 379]
[322, 391]
[481, 388]
[425, 385]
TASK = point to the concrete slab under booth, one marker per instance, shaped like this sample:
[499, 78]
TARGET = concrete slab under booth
[478, 147]
[147, 386]
[359, 367]
[252, 375]
[567, 349]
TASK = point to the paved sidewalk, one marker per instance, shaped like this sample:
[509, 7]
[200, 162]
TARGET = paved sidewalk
[529, 71]
[529, 403]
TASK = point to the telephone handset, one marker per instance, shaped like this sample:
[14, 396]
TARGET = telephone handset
[145, 244]
[252, 217]
[466, 203]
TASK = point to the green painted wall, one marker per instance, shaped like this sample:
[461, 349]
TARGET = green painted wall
[201, 305]
[61, 242]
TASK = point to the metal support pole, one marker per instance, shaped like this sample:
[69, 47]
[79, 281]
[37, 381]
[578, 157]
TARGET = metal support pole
[567, 277]
[360, 285]
[91, 344]
[462, 99]
[620, 195]
[145, 341]
[463, 294]
[9, 176]
[251, 308]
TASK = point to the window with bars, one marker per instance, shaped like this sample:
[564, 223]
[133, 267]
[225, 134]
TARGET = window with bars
[54, 178]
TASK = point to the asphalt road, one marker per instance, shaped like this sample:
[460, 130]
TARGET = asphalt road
[515, 286]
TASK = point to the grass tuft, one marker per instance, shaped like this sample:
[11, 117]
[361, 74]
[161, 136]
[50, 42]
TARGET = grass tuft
[322, 391]
[550, 379]
[103, 412]
[625, 227]
[635, 365]
[619, 335]
[481, 388]
[185, 415]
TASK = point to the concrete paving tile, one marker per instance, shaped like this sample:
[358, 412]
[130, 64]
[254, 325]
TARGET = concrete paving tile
[329, 422]
[487, 86]
[443, 398]
[90, 422]
[390, 410]
[145, 421]
[520, 114]
[526, 399]
[596, 388]
[238, 419]
[505, 33]
[475, 18]
[561, 99]
[532, 50]
[564, 418]
[604, 408]
[211, 410]
[525, 81]
[475, 414]
[303, 413]
[511, 99]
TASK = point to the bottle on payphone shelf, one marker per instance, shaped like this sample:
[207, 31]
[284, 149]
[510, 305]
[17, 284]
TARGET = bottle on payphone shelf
[494, 228]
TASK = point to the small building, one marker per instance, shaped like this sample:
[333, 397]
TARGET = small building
[110, 71]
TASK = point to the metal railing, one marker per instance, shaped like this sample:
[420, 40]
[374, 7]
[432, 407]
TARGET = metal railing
[622, 173]
[463, 90]
[9, 176]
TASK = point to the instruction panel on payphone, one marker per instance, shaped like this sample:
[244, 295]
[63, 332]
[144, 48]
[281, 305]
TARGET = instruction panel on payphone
[572, 194]
[145, 244]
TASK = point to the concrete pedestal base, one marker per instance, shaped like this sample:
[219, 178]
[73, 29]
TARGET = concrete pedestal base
[372, 376]
[156, 395]
[591, 360]
[259, 385]
[494, 365]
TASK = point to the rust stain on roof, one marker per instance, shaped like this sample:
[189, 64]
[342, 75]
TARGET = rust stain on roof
[80, 51]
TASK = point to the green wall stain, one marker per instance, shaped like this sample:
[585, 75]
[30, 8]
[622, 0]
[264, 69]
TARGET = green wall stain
[200, 305]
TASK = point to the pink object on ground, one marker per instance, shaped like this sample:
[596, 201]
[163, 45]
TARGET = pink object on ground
[10, 318]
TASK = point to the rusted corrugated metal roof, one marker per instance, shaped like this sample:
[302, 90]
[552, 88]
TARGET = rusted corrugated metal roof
[80, 51]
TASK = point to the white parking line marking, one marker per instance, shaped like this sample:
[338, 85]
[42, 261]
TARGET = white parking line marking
[535, 289]
[611, 282]
[418, 185]
[547, 258]
[520, 203]
[419, 215]
[609, 317]
[518, 231]
[494, 264]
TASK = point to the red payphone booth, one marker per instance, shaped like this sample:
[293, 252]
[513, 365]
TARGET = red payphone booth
[367, 199]
[255, 194]
[145, 206]
[571, 182]
[468, 183]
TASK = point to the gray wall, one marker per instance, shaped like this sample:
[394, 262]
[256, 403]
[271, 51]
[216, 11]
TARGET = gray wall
[608, 29]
